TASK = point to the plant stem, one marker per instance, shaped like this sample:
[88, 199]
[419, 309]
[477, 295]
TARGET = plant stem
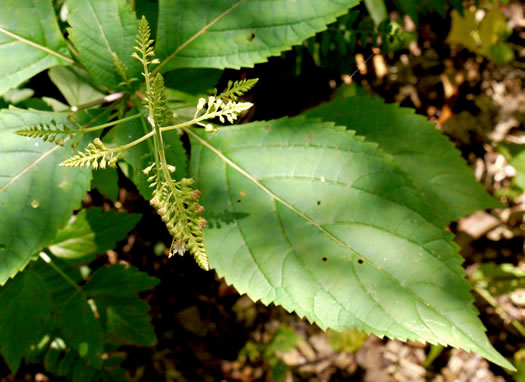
[131, 144]
[109, 124]
[47, 259]
[499, 310]
[145, 128]
[157, 139]
[109, 98]
[94, 119]
[189, 123]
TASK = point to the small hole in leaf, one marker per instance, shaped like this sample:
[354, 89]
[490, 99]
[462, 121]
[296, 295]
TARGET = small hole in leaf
[360, 261]
[325, 259]
[250, 37]
[318, 202]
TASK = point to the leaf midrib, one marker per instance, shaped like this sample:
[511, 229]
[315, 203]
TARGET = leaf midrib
[328, 234]
[196, 35]
[28, 168]
[89, 237]
[100, 28]
[287, 239]
[35, 45]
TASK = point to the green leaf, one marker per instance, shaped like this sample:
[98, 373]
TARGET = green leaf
[499, 279]
[92, 232]
[518, 162]
[61, 291]
[463, 28]
[119, 281]
[26, 308]
[311, 217]
[515, 155]
[101, 29]
[519, 361]
[193, 81]
[429, 158]
[377, 10]
[237, 33]
[16, 95]
[283, 341]
[75, 90]
[81, 330]
[37, 196]
[410, 7]
[128, 322]
[106, 182]
[55, 105]
[501, 53]
[141, 155]
[347, 340]
[149, 9]
[30, 41]
[126, 317]
[492, 27]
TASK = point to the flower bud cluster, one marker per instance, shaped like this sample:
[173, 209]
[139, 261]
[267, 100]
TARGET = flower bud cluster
[96, 155]
[48, 132]
[217, 108]
[177, 203]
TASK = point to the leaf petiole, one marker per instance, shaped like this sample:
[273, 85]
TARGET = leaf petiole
[109, 124]
[47, 259]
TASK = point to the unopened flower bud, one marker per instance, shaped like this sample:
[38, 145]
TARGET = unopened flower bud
[199, 210]
[147, 170]
[200, 105]
[98, 143]
[196, 194]
[185, 182]
[113, 161]
[202, 223]
[209, 128]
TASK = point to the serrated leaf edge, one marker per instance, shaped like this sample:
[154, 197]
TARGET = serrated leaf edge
[447, 236]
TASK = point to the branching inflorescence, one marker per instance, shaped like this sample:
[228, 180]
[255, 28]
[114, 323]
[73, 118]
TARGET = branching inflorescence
[52, 132]
[236, 89]
[96, 155]
[177, 202]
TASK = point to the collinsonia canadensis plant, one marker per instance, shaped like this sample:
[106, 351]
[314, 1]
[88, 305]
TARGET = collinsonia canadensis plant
[344, 226]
